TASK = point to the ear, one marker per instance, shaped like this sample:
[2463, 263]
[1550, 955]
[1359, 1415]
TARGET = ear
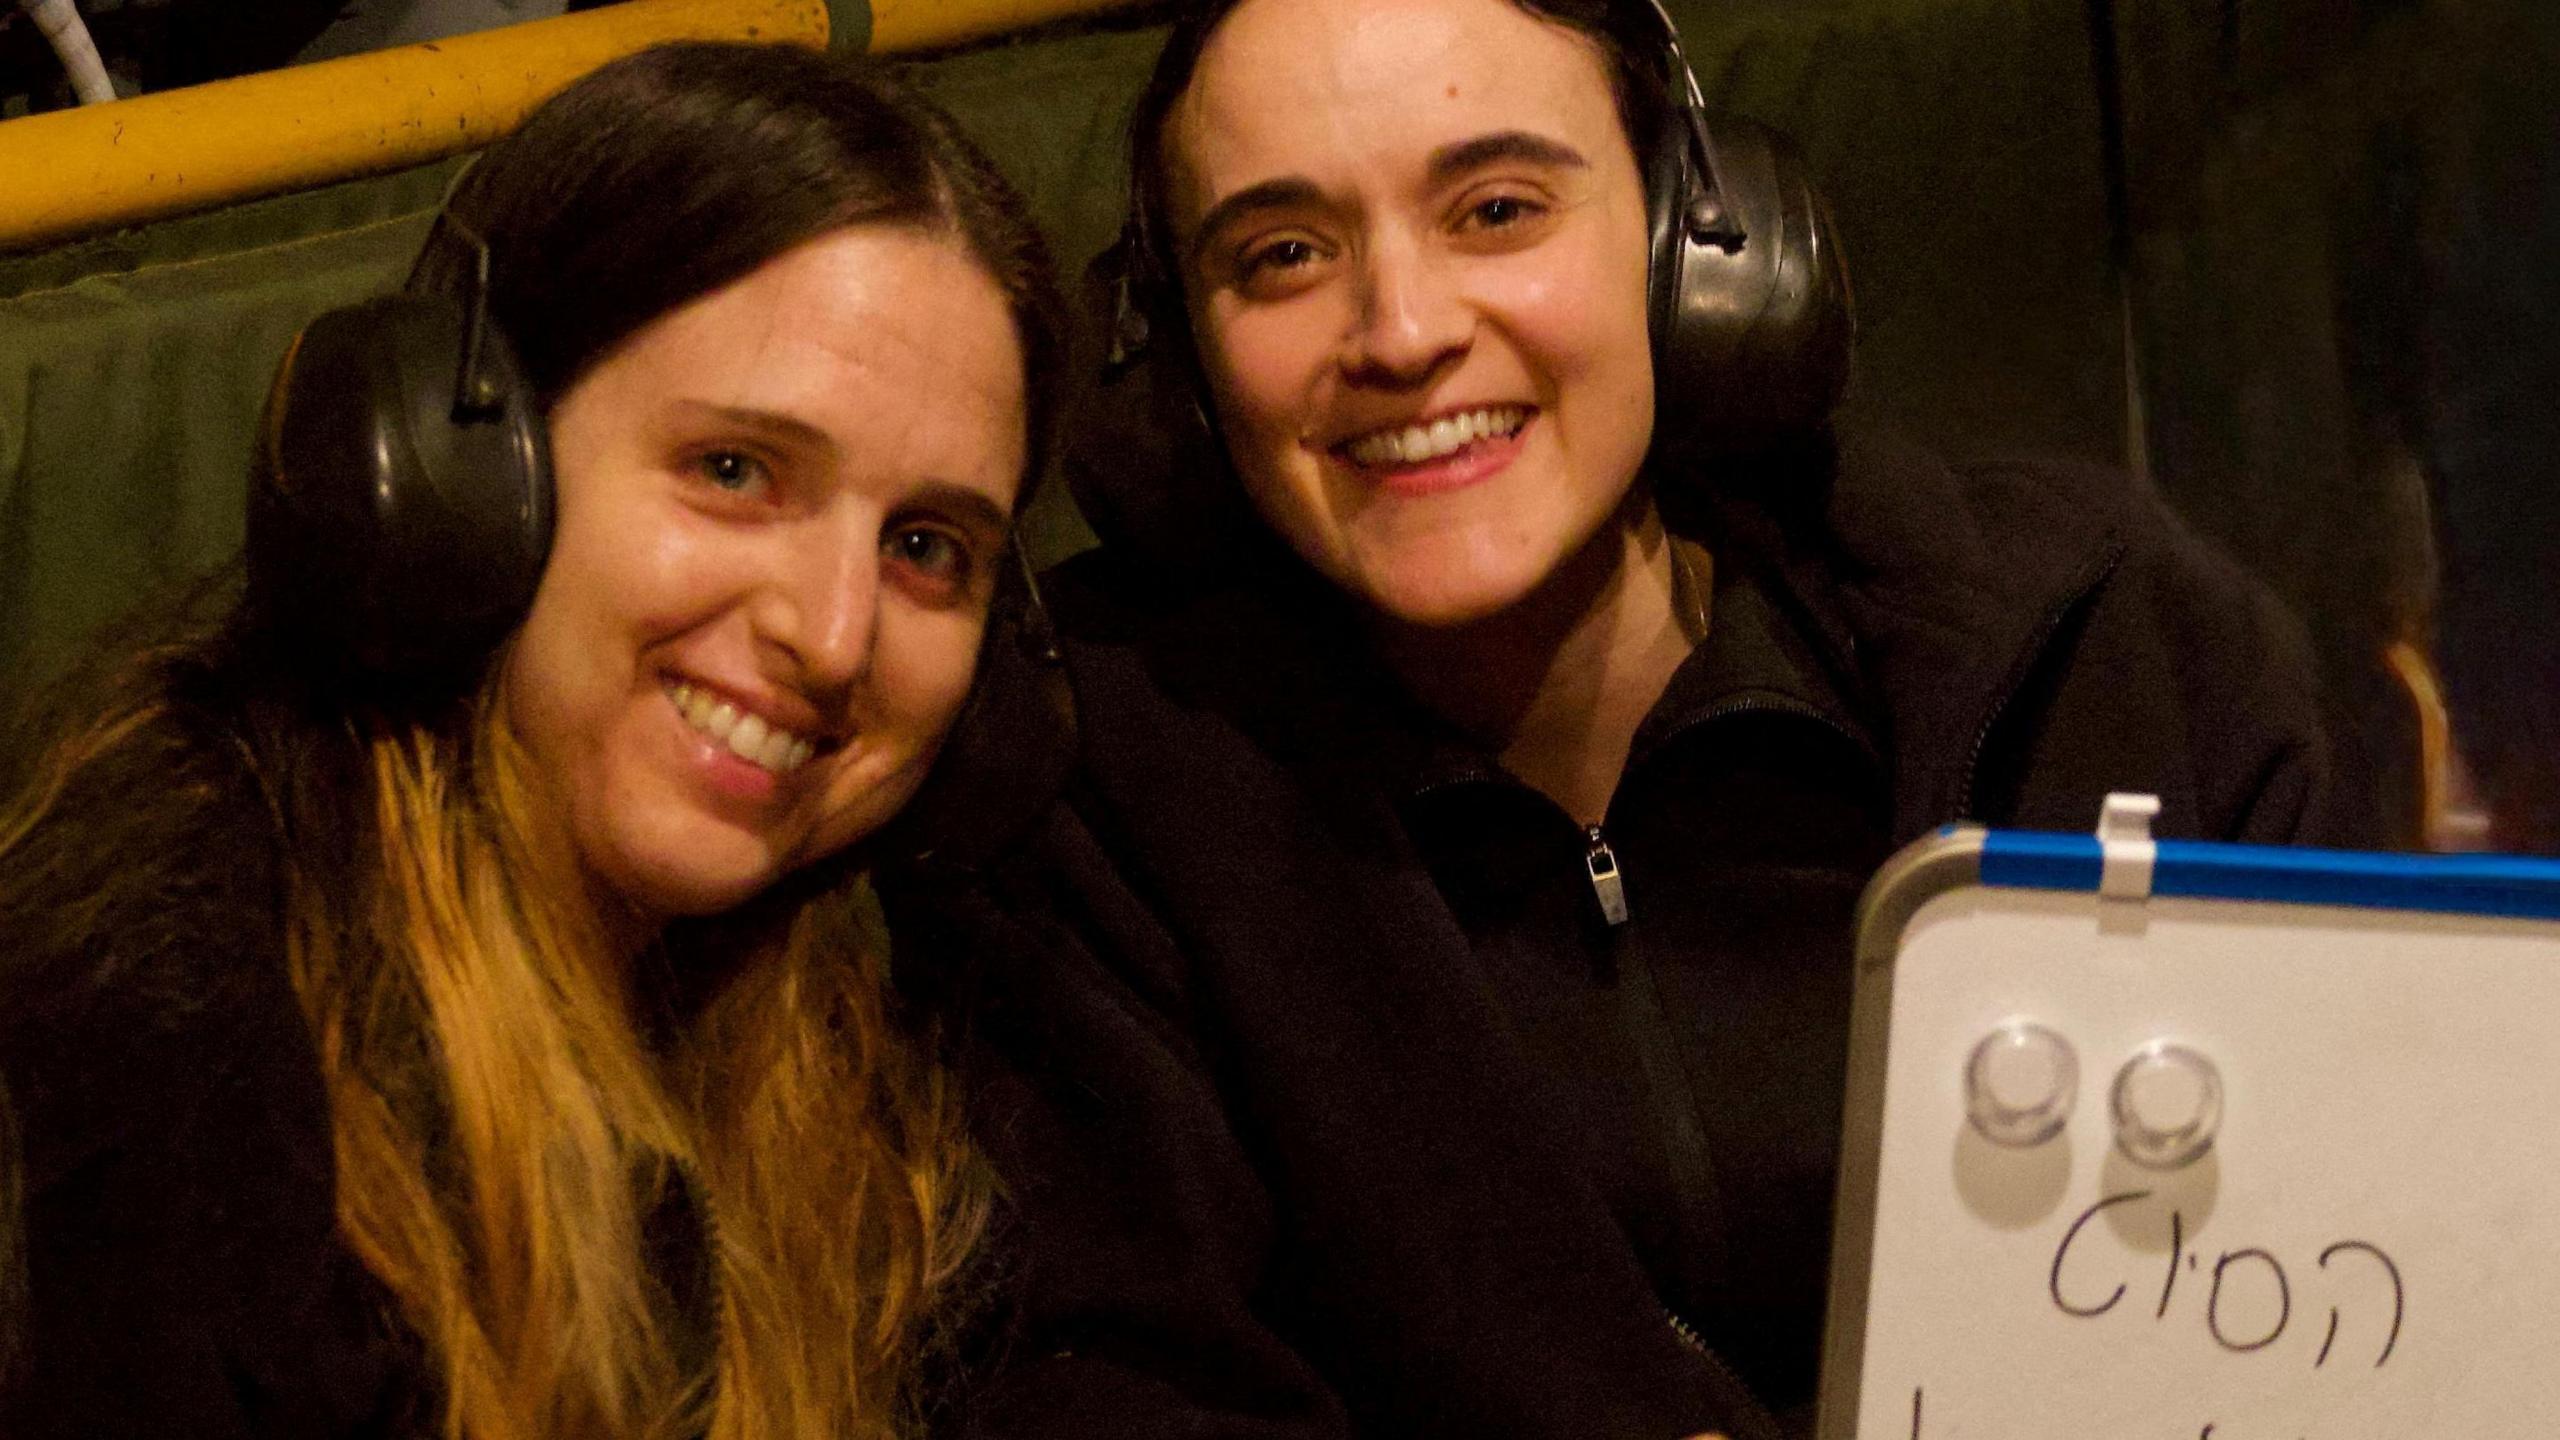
[400, 503]
[1752, 342]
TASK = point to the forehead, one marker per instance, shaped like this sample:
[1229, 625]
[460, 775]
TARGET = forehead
[892, 340]
[1300, 86]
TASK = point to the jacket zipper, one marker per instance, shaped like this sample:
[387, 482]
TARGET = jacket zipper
[1601, 863]
[1687, 1334]
[2095, 576]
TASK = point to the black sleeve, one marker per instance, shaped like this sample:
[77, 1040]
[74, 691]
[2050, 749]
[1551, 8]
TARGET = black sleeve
[1133, 1231]
[181, 1270]
[2258, 724]
[2179, 673]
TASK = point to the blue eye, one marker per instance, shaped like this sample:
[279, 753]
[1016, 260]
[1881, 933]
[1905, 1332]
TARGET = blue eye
[733, 470]
[934, 555]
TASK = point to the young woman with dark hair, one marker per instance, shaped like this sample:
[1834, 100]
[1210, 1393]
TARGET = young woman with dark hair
[1428, 1016]
[516, 1061]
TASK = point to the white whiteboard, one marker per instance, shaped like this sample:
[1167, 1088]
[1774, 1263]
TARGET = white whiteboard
[2370, 1249]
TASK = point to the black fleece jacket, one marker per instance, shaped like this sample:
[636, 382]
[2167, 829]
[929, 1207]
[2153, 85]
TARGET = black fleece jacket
[176, 1262]
[1286, 1156]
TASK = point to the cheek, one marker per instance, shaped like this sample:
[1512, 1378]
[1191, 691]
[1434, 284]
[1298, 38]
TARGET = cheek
[1581, 317]
[920, 678]
[1265, 365]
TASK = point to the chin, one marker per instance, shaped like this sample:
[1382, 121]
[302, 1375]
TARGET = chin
[1445, 590]
[707, 879]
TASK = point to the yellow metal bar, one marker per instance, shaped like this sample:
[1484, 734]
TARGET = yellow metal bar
[99, 166]
[927, 24]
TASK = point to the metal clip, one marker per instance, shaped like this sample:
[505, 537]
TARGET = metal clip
[2126, 851]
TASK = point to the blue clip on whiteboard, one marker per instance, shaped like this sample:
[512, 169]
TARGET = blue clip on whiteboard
[2187, 1141]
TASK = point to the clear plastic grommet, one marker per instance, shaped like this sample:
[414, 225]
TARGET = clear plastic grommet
[2020, 1084]
[2167, 1104]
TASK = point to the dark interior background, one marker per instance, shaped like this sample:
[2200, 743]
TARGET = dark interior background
[2296, 263]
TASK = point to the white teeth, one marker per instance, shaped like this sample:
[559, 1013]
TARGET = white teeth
[749, 737]
[1413, 444]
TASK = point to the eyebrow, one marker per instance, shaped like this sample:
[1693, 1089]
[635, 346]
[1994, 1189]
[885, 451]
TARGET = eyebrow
[1446, 163]
[973, 505]
[773, 425]
[1459, 157]
[1269, 195]
[968, 504]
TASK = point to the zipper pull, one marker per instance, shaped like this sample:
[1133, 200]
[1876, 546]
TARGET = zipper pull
[1602, 862]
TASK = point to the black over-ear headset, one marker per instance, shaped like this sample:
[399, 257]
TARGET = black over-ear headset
[400, 499]
[1748, 309]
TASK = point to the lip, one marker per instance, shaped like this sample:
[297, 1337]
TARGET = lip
[718, 768]
[721, 770]
[1471, 465]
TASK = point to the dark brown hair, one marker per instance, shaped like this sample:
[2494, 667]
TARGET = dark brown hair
[668, 174]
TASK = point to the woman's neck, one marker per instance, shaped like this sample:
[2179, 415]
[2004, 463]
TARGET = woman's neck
[1558, 683]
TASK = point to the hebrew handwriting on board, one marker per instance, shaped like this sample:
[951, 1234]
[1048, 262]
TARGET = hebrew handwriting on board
[2245, 1270]
[1917, 1414]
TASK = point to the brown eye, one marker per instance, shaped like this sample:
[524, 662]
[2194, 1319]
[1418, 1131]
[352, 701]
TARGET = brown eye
[1278, 255]
[1501, 212]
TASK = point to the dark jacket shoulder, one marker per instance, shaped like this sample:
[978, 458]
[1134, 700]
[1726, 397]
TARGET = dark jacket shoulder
[2038, 632]
[183, 1272]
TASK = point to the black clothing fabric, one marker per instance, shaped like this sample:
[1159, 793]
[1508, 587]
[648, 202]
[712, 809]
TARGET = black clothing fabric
[182, 1273]
[1746, 822]
[1329, 1103]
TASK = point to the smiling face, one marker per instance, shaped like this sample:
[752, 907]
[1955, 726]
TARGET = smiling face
[781, 508]
[1412, 237]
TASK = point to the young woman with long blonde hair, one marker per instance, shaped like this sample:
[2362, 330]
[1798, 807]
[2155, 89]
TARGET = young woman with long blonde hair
[511, 1057]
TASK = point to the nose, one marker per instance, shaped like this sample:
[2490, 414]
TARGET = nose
[1412, 319]
[818, 613]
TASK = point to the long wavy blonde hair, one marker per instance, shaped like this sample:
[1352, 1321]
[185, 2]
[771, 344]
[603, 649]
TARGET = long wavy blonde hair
[509, 1100]
[503, 1125]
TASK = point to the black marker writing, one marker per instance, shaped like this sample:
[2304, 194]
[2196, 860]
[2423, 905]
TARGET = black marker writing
[2234, 1272]
[2213, 1307]
[2053, 1283]
[2177, 1243]
[2399, 1296]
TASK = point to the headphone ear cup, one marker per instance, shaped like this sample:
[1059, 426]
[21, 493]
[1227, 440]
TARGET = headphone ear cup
[1142, 458]
[1751, 345]
[393, 536]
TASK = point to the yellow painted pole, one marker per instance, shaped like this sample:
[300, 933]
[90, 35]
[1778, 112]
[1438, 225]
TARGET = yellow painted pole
[927, 24]
[99, 166]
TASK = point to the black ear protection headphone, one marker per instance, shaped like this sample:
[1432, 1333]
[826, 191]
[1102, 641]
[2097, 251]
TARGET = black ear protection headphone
[1748, 310]
[401, 501]
[400, 497]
